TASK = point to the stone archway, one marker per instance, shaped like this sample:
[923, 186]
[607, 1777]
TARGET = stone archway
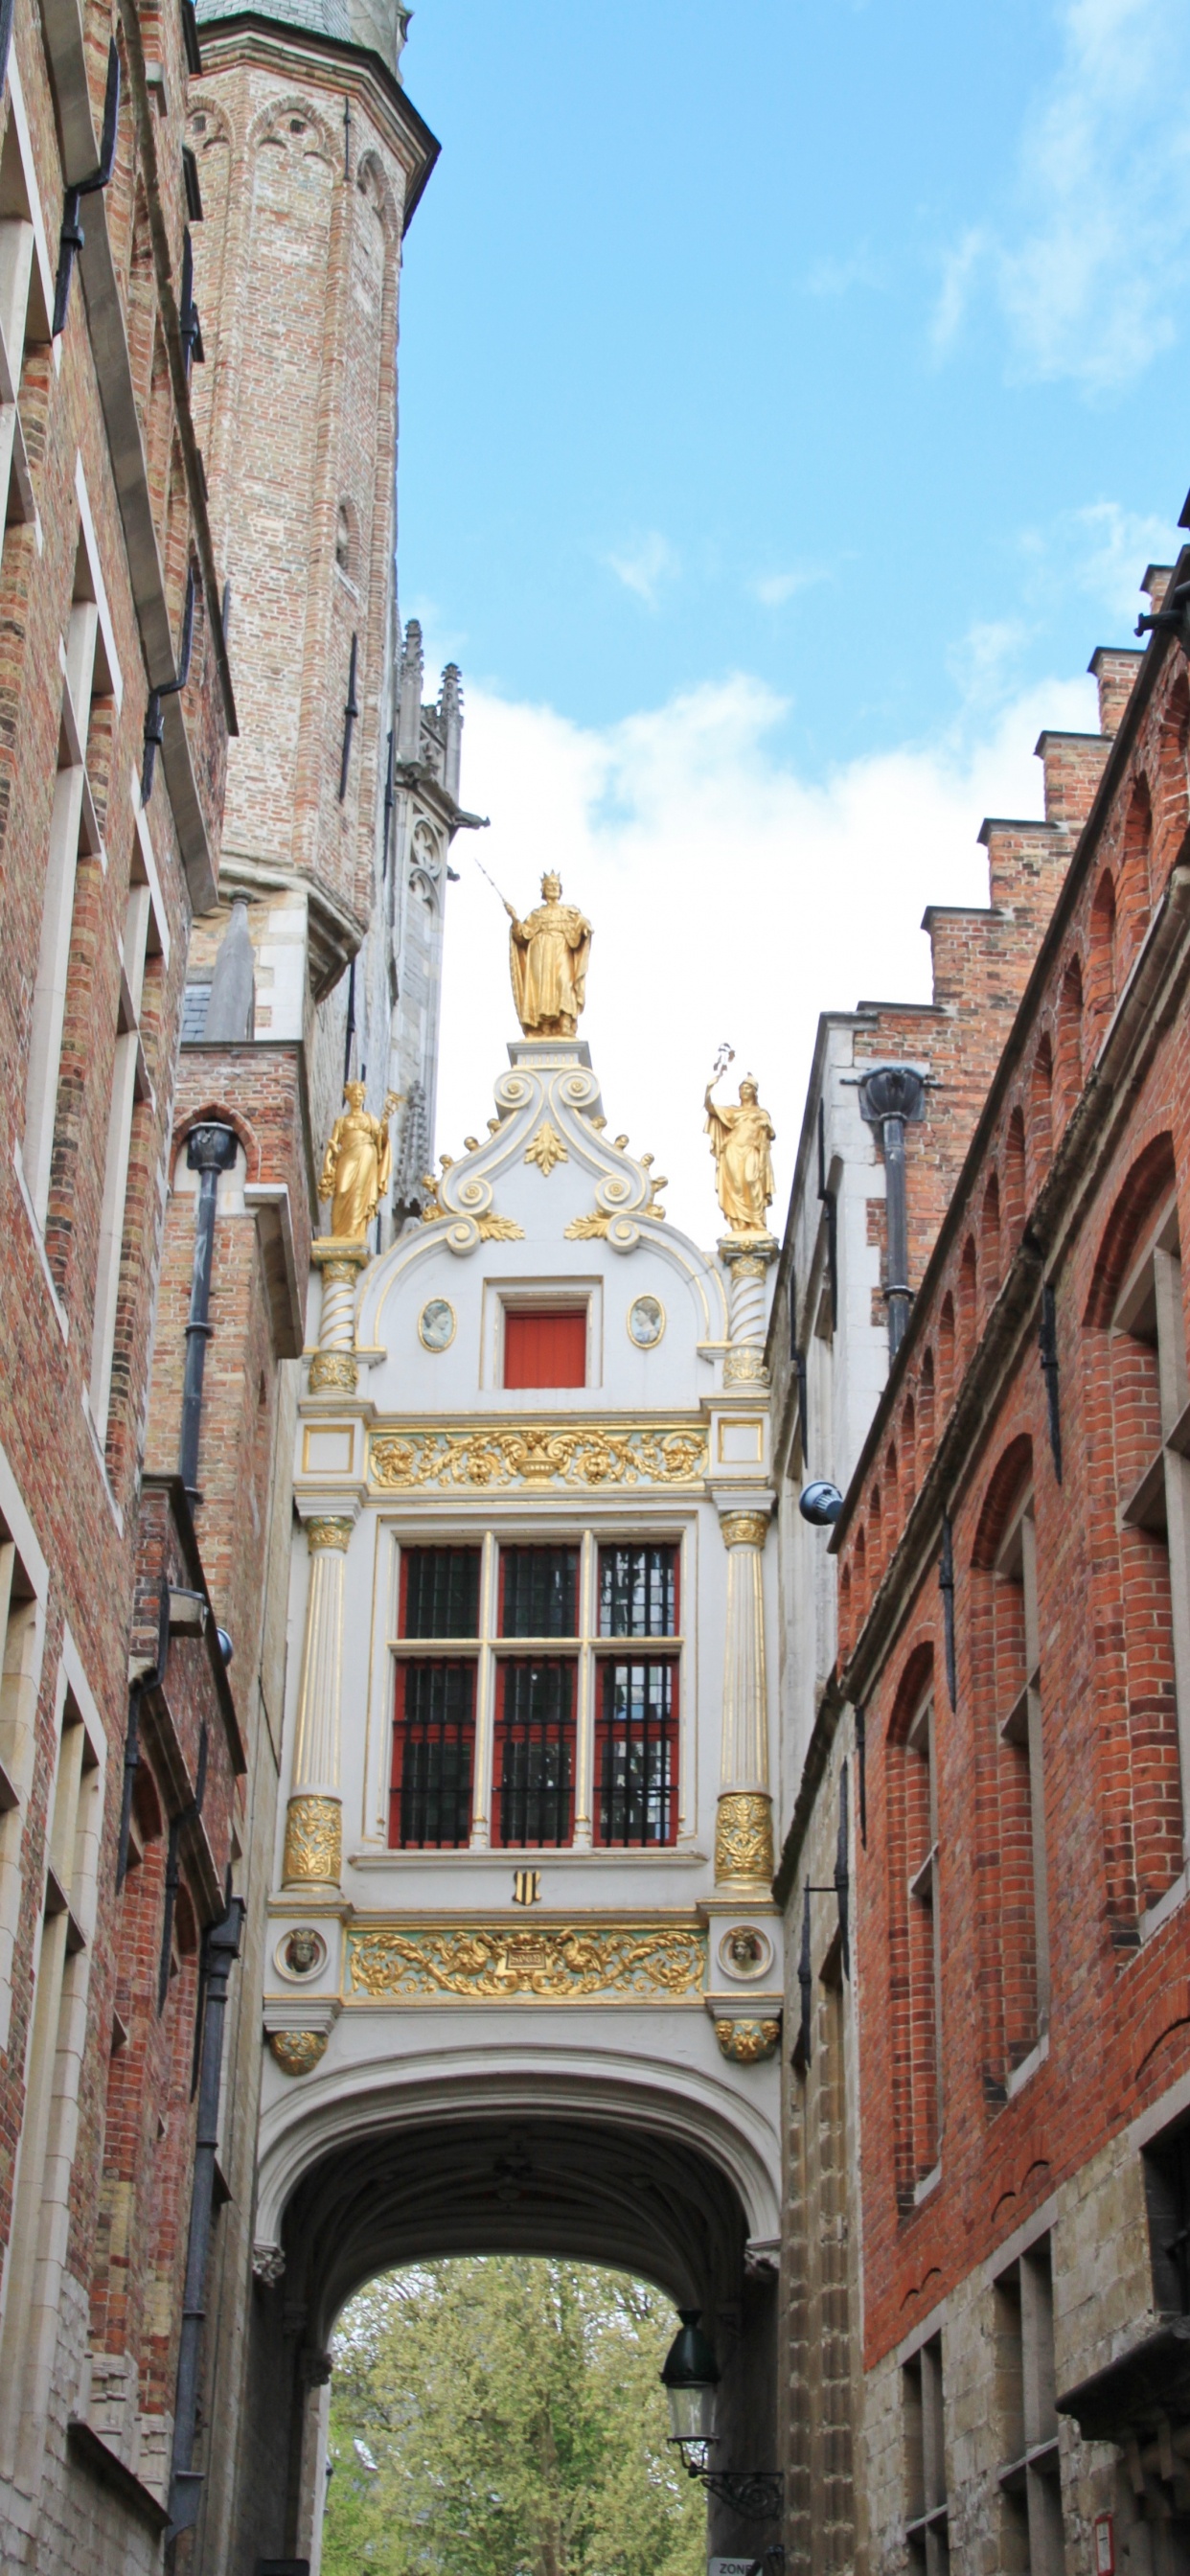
[611, 2179]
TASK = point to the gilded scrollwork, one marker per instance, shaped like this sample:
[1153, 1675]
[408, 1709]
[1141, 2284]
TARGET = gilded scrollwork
[538, 1454]
[641, 1962]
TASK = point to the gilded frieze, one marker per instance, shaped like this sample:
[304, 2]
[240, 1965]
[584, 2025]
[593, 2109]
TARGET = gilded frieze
[568, 1963]
[537, 1455]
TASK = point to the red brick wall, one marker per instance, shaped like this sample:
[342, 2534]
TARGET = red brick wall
[1119, 2032]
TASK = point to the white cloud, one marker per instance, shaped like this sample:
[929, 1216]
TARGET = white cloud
[730, 897]
[645, 567]
[774, 589]
[1091, 265]
[838, 275]
[982, 663]
[1105, 549]
[959, 270]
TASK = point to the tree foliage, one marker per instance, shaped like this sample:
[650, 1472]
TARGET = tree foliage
[504, 2417]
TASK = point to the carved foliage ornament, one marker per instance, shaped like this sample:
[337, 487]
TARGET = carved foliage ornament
[333, 1369]
[747, 2042]
[744, 1529]
[297, 2052]
[328, 1533]
[640, 1962]
[313, 1840]
[744, 1837]
[546, 1149]
[744, 1366]
[538, 1455]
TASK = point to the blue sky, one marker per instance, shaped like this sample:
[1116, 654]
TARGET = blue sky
[831, 352]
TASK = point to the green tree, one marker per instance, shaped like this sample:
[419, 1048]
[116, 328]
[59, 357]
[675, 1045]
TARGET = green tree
[501, 2417]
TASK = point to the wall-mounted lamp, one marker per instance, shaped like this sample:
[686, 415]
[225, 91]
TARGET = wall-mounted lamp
[820, 1503]
[690, 2376]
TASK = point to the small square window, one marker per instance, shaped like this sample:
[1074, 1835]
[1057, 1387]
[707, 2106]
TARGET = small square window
[545, 1349]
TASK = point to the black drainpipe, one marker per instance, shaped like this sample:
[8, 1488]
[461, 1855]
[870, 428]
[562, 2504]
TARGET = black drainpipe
[209, 1151]
[221, 1948]
[888, 1099]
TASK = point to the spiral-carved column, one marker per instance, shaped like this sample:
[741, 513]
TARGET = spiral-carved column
[744, 1825]
[333, 1369]
[314, 1821]
[746, 1260]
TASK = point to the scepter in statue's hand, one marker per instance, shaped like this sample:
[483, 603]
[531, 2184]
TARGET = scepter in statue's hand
[725, 1057]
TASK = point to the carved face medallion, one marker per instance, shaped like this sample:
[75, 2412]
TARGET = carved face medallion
[436, 1324]
[745, 1951]
[646, 1322]
[304, 1951]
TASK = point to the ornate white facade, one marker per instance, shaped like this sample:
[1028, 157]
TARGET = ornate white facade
[591, 1935]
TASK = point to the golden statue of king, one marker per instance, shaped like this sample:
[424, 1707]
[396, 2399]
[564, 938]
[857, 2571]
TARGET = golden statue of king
[548, 955]
[740, 1140]
[358, 1164]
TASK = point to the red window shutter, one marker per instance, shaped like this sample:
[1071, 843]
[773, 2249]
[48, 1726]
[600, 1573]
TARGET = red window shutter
[545, 1350]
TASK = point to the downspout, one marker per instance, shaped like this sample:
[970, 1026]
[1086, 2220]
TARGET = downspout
[888, 1099]
[221, 1947]
[209, 1151]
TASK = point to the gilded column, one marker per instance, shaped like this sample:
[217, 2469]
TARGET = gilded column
[333, 1369]
[744, 1825]
[314, 1822]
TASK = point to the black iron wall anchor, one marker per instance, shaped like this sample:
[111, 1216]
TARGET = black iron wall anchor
[154, 722]
[221, 1948]
[946, 1587]
[840, 1888]
[350, 712]
[1047, 1343]
[209, 1151]
[72, 237]
[861, 1768]
[889, 1098]
[189, 326]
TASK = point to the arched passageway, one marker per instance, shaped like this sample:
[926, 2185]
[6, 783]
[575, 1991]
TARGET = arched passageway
[629, 2191]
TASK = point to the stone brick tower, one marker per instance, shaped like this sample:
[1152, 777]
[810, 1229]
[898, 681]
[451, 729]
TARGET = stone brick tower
[342, 798]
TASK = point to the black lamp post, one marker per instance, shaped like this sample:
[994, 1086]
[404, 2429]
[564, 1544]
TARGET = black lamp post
[690, 2376]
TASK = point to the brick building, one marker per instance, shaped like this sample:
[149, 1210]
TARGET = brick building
[985, 2276]
[200, 246]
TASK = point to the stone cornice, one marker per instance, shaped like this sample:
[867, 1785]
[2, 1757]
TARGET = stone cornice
[246, 34]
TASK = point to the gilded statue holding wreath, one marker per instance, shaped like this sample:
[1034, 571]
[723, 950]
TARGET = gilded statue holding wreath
[740, 1140]
[358, 1164]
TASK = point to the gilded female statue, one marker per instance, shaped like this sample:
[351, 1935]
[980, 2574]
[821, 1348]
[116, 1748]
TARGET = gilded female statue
[358, 1165]
[548, 955]
[740, 1139]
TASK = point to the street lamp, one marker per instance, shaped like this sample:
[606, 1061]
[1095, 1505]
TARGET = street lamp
[690, 2376]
